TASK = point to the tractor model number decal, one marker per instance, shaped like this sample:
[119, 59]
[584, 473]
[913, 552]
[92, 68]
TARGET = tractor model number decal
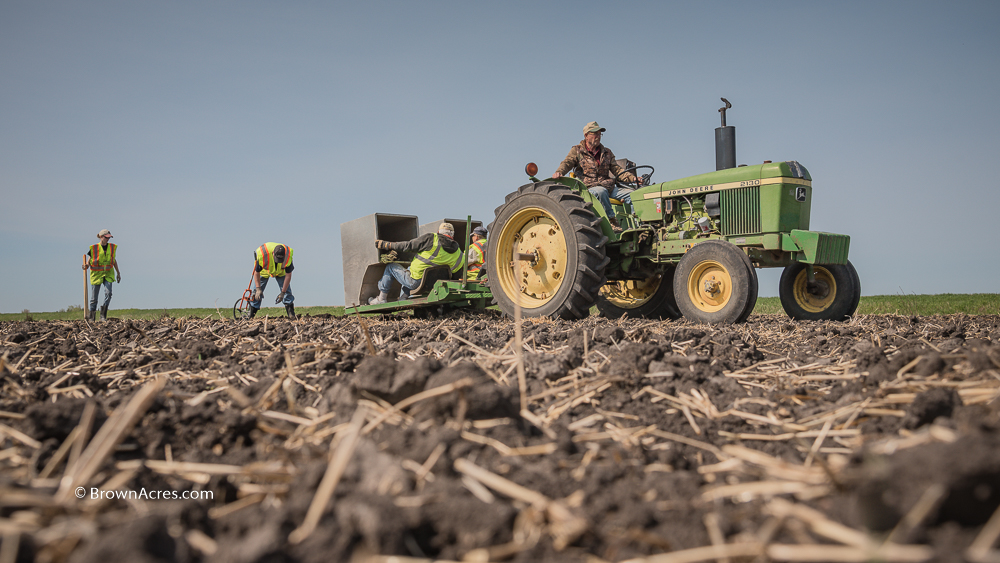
[749, 183]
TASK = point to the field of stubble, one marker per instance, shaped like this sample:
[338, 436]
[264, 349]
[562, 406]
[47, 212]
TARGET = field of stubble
[332, 439]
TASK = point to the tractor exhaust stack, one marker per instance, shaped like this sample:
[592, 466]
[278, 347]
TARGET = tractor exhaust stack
[725, 142]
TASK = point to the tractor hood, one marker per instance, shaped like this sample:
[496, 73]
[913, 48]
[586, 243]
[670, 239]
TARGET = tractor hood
[743, 176]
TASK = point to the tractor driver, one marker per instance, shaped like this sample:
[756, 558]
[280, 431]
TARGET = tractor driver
[433, 249]
[592, 161]
[477, 254]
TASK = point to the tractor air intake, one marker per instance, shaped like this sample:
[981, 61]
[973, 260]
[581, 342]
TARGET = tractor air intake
[725, 142]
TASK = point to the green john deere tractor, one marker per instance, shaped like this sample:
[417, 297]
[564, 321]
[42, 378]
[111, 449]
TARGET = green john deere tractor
[688, 247]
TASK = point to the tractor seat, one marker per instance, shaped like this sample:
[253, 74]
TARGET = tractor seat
[616, 201]
[431, 276]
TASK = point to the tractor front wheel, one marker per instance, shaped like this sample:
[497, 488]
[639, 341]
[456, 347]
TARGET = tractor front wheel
[752, 301]
[832, 295]
[546, 253]
[651, 298]
[714, 284]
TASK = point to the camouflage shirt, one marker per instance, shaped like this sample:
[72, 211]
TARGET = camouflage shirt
[593, 169]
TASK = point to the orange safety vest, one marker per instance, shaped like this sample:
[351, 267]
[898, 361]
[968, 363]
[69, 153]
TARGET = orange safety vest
[474, 268]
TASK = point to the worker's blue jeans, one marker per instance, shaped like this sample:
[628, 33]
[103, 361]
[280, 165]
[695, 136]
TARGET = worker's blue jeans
[289, 298]
[602, 194]
[400, 273]
[95, 289]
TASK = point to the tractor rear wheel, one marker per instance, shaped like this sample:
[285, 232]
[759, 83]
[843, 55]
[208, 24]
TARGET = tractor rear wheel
[714, 284]
[832, 296]
[546, 252]
[652, 298]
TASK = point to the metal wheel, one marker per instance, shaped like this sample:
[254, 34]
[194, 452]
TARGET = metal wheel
[649, 298]
[833, 295]
[713, 283]
[548, 253]
[240, 308]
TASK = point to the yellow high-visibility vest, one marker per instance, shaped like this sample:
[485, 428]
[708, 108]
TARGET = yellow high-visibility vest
[437, 256]
[271, 268]
[102, 263]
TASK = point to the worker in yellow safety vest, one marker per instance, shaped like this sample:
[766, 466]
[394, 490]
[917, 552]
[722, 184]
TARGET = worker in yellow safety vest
[101, 259]
[273, 260]
[477, 254]
[433, 249]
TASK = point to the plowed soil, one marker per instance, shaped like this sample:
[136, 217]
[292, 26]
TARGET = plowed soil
[332, 439]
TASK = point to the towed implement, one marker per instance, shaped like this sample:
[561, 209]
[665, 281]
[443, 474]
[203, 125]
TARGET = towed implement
[439, 289]
[688, 247]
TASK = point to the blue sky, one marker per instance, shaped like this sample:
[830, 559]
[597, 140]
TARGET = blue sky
[196, 131]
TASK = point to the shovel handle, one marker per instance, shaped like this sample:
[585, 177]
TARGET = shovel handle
[86, 293]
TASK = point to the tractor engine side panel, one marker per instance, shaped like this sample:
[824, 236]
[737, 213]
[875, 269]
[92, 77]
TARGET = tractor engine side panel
[785, 207]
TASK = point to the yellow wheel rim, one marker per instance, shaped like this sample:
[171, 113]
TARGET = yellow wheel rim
[710, 286]
[823, 295]
[531, 231]
[631, 294]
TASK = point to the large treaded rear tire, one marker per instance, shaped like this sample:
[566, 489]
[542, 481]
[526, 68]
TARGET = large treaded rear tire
[553, 222]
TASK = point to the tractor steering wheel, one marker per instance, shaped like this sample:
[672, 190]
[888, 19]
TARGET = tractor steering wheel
[643, 180]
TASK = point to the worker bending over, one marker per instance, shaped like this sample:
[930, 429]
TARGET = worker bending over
[434, 249]
[273, 260]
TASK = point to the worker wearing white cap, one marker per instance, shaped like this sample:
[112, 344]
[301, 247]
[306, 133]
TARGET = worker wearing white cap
[101, 259]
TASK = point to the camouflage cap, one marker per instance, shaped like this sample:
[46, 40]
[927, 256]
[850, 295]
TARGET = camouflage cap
[104, 233]
[447, 229]
[593, 127]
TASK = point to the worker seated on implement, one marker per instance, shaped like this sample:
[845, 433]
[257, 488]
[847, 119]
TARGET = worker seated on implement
[433, 249]
[477, 254]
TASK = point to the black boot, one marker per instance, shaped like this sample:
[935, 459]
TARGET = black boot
[90, 314]
[290, 310]
[251, 312]
[104, 313]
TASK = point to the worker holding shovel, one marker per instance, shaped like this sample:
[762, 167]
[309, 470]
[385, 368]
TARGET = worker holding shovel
[101, 259]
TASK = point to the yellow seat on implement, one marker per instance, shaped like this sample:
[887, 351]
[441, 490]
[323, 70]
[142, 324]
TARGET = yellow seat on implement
[616, 201]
